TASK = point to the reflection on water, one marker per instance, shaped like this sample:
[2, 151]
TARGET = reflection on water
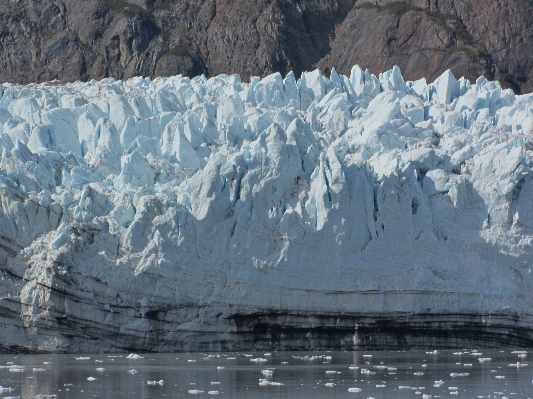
[405, 374]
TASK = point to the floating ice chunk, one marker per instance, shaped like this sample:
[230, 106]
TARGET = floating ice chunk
[160, 382]
[38, 369]
[134, 356]
[354, 390]
[265, 382]
[91, 379]
[459, 375]
[269, 372]
[259, 360]
[220, 367]
[195, 391]
[212, 392]
[132, 371]
[100, 369]
[329, 384]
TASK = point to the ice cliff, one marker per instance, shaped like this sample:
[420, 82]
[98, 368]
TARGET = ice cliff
[209, 214]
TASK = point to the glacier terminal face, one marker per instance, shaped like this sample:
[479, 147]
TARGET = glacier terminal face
[212, 214]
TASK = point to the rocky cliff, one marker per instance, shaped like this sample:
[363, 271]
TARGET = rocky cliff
[346, 212]
[72, 40]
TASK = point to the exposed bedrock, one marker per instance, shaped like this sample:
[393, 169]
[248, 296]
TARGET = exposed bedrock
[80, 40]
[354, 211]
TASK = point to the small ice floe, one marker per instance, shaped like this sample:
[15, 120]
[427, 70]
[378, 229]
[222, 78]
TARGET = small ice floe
[367, 372]
[329, 357]
[132, 371]
[47, 362]
[499, 377]
[476, 354]
[258, 360]
[353, 367]
[438, 384]
[263, 382]
[484, 359]
[424, 396]
[191, 361]
[331, 372]
[269, 372]
[380, 367]
[215, 383]
[467, 365]
[17, 369]
[519, 352]
[11, 397]
[354, 390]
[459, 375]
[329, 384]
[160, 382]
[453, 388]
[458, 353]
[267, 354]
[220, 367]
[424, 365]
[367, 355]
[522, 355]
[91, 379]
[404, 387]
[6, 389]
[195, 391]
[212, 392]
[38, 369]
[82, 358]
[134, 356]
[98, 361]
[435, 352]
[418, 373]
[284, 362]
[231, 358]
[392, 368]
[380, 385]
[100, 369]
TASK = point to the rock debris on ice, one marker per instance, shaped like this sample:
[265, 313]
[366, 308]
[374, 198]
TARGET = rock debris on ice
[126, 203]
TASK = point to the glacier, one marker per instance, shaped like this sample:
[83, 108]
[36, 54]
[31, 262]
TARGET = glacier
[338, 212]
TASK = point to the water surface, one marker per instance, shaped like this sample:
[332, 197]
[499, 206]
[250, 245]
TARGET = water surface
[379, 375]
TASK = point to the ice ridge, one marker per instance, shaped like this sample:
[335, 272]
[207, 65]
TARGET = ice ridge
[154, 215]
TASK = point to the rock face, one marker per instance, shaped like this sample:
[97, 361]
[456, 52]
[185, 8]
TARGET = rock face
[71, 40]
[212, 214]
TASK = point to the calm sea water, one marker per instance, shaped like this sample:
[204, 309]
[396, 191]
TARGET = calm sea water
[408, 374]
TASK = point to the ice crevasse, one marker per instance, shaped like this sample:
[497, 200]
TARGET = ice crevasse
[214, 214]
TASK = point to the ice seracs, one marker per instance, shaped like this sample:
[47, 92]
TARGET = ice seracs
[178, 212]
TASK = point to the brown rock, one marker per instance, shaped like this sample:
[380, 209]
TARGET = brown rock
[73, 39]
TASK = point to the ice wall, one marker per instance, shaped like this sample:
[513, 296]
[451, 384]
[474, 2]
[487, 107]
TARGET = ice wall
[197, 214]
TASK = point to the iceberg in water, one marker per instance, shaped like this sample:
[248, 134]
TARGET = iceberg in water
[208, 214]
